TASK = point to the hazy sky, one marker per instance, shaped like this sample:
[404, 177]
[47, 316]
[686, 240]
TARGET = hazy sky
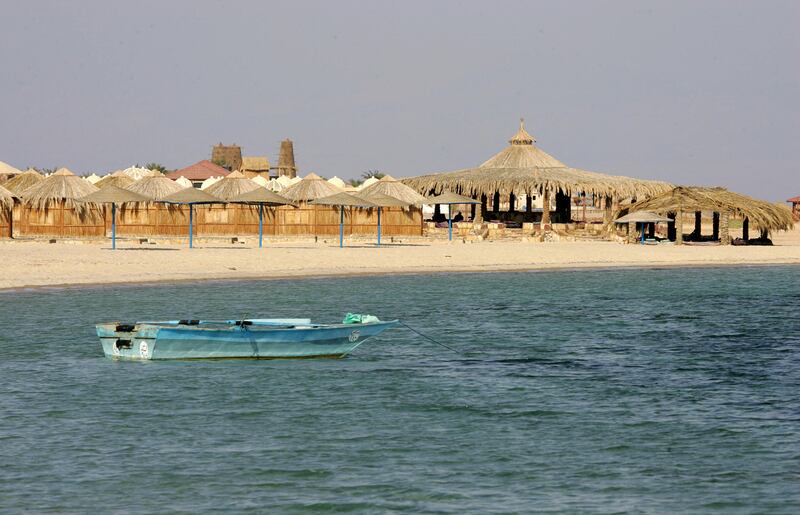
[691, 92]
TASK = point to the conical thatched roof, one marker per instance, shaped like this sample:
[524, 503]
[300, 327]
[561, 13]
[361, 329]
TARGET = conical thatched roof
[642, 217]
[155, 187]
[183, 181]
[192, 196]
[113, 195]
[762, 214]
[120, 181]
[23, 181]
[390, 186]
[383, 200]
[62, 185]
[311, 187]
[262, 196]
[7, 169]
[524, 168]
[232, 185]
[449, 197]
[343, 199]
[6, 198]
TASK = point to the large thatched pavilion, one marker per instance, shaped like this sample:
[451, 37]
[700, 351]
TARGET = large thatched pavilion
[522, 168]
[682, 200]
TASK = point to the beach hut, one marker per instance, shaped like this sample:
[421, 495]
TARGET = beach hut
[342, 200]
[191, 197]
[120, 181]
[51, 207]
[6, 213]
[449, 198]
[23, 181]
[261, 197]
[645, 218]
[681, 200]
[232, 185]
[795, 202]
[113, 195]
[523, 168]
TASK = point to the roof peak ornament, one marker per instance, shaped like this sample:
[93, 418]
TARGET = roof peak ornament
[522, 137]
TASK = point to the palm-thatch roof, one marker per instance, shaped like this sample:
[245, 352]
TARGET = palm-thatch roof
[448, 197]
[61, 186]
[6, 198]
[23, 181]
[383, 200]
[7, 169]
[113, 195]
[390, 186]
[524, 168]
[155, 187]
[192, 196]
[762, 214]
[343, 199]
[232, 185]
[255, 164]
[120, 181]
[262, 196]
[311, 187]
[642, 217]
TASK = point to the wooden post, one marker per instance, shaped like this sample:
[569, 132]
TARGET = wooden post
[746, 229]
[724, 232]
[472, 211]
[671, 227]
[496, 202]
[481, 210]
[511, 201]
[715, 226]
[698, 225]
[631, 233]
[679, 228]
[528, 202]
[651, 230]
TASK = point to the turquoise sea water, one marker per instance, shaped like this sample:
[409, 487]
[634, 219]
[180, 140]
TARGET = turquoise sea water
[576, 391]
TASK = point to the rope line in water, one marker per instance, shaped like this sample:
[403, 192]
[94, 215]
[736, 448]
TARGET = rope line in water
[428, 338]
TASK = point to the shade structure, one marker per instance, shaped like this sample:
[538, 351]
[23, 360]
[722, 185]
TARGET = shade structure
[312, 187]
[122, 181]
[63, 185]
[156, 187]
[190, 197]
[382, 200]
[231, 186]
[343, 200]
[113, 195]
[7, 169]
[448, 198]
[390, 186]
[6, 198]
[20, 182]
[262, 197]
[642, 217]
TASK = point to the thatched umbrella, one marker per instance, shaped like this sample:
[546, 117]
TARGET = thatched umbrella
[155, 187]
[449, 198]
[6, 197]
[62, 186]
[390, 186]
[262, 197]
[523, 168]
[23, 181]
[113, 195]
[382, 200]
[191, 196]
[120, 181]
[310, 188]
[232, 185]
[642, 217]
[342, 199]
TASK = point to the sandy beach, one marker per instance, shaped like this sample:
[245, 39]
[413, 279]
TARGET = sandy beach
[37, 264]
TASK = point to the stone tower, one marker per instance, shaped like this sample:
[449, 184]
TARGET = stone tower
[286, 164]
[228, 156]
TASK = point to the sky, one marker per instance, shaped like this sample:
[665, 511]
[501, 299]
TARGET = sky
[692, 92]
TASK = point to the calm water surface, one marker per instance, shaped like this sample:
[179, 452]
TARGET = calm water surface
[598, 391]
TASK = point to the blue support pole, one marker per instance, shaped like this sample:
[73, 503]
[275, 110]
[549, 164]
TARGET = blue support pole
[113, 226]
[191, 230]
[643, 226]
[341, 226]
[449, 222]
[260, 225]
[379, 226]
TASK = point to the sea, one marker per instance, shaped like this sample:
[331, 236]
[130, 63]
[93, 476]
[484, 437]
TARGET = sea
[672, 390]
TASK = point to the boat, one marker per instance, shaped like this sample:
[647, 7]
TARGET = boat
[252, 338]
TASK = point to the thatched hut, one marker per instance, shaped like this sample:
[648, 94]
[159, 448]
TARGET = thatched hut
[255, 166]
[6, 216]
[522, 168]
[723, 204]
[51, 208]
[795, 202]
[155, 187]
[390, 186]
[232, 185]
[234, 219]
[23, 181]
[153, 218]
[120, 181]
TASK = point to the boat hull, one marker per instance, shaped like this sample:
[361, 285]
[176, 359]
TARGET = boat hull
[158, 342]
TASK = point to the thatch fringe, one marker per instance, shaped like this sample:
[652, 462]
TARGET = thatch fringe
[23, 181]
[6, 198]
[391, 187]
[310, 188]
[763, 215]
[156, 187]
[62, 186]
[232, 186]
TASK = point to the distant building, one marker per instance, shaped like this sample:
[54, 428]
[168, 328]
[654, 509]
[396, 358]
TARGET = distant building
[254, 166]
[199, 172]
[228, 156]
[286, 165]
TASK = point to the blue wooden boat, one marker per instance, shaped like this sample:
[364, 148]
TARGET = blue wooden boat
[258, 338]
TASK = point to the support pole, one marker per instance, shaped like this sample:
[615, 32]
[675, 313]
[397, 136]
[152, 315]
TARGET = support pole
[715, 226]
[643, 226]
[260, 225]
[191, 224]
[528, 203]
[698, 225]
[449, 222]
[113, 226]
[679, 228]
[341, 226]
[724, 228]
[545, 210]
[379, 226]
[746, 229]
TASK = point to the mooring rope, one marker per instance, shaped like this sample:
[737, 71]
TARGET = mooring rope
[429, 338]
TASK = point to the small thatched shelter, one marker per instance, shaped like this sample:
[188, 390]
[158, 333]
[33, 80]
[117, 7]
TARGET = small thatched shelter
[23, 181]
[63, 186]
[391, 187]
[724, 204]
[522, 168]
[310, 188]
[120, 181]
[231, 186]
[156, 187]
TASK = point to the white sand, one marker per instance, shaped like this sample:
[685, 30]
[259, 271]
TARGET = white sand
[41, 264]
